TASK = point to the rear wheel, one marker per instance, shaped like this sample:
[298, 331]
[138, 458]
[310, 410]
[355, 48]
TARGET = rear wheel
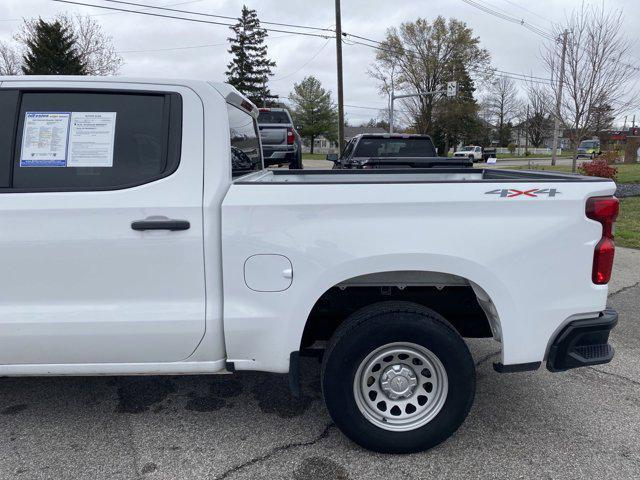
[397, 378]
[296, 163]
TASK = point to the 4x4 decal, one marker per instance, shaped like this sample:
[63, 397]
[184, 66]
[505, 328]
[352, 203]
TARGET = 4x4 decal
[514, 192]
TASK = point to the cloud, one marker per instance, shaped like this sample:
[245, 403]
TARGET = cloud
[513, 48]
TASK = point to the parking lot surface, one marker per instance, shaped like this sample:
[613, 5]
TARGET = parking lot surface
[583, 423]
[314, 164]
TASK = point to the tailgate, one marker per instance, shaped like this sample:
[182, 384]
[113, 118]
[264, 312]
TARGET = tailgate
[273, 134]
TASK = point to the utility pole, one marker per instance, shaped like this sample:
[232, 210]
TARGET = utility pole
[340, 92]
[527, 128]
[556, 123]
[393, 92]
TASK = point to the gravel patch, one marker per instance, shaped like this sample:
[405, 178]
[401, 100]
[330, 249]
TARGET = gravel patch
[628, 190]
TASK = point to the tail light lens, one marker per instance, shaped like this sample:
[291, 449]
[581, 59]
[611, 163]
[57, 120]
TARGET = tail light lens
[290, 137]
[603, 210]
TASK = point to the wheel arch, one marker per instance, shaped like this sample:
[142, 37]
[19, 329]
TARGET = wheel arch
[402, 271]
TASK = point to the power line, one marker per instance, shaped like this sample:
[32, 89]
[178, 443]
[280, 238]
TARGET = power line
[519, 21]
[514, 76]
[531, 12]
[211, 15]
[195, 20]
[313, 57]
[539, 31]
[190, 47]
[285, 98]
[104, 14]
[378, 45]
[487, 71]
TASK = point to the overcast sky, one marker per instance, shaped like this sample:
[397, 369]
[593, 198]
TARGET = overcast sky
[155, 47]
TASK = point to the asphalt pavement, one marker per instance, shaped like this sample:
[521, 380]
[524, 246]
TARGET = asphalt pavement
[580, 424]
[503, 162]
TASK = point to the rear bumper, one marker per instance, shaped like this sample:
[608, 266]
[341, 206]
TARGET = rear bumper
[583, 342]
[276, 155]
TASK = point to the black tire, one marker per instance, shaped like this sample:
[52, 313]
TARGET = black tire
[296, 164]
[380, 324]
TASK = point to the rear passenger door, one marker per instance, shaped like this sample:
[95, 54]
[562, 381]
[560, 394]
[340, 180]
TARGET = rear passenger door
[101, 205]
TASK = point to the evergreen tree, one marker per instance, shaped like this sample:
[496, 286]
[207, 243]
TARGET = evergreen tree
[314, 110]
[455, 119]
[51, 51]
[250, 69]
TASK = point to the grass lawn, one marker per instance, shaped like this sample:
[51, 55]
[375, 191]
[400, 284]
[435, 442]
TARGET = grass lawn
[314, 156]
[627, 173]
[628, 223]
[564, 154]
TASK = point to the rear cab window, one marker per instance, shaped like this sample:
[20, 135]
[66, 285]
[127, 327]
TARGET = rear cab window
[246, 151]
[270, 116]
[395, 147]
[93, 140]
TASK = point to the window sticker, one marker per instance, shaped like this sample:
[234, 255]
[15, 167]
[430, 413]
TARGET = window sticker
[44, 139]
[68, 139]
[91, 139]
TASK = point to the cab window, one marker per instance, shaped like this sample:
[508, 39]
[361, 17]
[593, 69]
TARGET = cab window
[75, 140]
[246, 156]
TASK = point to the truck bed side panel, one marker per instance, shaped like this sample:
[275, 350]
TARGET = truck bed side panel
[531, 254]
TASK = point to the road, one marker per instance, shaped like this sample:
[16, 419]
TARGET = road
[503, 162]
[579, 424]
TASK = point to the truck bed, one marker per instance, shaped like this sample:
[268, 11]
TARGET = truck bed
[521, 236]
[430, 175]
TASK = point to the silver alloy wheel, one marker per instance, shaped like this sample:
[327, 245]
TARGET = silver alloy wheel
[400, 386]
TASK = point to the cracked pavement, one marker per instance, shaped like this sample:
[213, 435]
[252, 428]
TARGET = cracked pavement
[584, 422]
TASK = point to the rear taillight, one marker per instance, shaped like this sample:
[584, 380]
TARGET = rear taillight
[290, 136]
[605, 211]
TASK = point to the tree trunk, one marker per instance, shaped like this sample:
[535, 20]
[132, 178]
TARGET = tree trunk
[313, 139]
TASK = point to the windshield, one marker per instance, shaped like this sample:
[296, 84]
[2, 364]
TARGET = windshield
[467, 149]
[395, 147]
[273, 117]
[588, 144]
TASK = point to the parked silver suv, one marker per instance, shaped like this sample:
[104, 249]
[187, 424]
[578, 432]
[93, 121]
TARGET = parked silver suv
[280, 141]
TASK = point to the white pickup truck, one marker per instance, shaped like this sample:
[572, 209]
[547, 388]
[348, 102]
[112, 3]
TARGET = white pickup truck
[141, 235]
[472, 151]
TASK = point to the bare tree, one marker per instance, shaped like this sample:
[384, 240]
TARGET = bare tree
[503, 106]
[599, 82]
[538, 123]
[10, 60]
[425, 55]
[93, 45]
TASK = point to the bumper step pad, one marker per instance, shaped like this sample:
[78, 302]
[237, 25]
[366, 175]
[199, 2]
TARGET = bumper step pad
[593, 353]
[583, 342]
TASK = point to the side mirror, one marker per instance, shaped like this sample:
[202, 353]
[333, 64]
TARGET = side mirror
[332, 157]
